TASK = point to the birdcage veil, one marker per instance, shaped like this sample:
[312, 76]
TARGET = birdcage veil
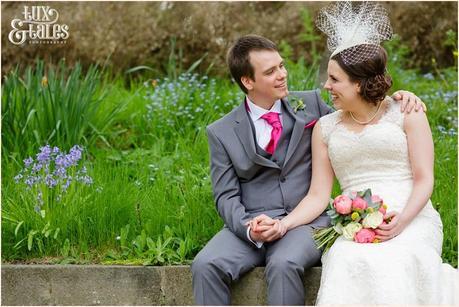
[349, 26]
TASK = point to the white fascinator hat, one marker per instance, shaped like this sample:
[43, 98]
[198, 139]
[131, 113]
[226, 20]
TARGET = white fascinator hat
[348, 27]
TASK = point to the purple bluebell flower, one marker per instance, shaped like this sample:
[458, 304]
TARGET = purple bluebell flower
[59, 160]
[87, 180]
[50, 170]
[40, 198]
[45, 154]
[29, 182]
[67, 184]
[18, 177]
[60, 172]
[75, 153]
[37, 167]
[50, 181]
[28, 161]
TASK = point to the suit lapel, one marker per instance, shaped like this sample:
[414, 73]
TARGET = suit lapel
[298, 129]
[244, 133]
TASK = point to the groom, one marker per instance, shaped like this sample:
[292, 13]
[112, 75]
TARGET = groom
[261, 164]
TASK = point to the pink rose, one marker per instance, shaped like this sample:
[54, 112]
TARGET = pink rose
[343, 204]
[382, 209]
[365, 235]
[359, 203]
[376, 199]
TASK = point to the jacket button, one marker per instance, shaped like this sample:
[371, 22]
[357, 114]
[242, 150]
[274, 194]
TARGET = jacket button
[282, 179]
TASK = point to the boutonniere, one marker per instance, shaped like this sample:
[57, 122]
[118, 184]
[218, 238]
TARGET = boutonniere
[299, 104]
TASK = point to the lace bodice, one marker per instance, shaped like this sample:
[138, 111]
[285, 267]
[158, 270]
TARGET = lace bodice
[379, 153]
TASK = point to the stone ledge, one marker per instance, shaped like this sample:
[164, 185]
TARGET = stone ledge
[124, 285]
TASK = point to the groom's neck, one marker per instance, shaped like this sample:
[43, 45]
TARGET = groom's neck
[264, 103]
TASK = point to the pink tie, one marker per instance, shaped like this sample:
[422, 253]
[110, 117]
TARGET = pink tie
[273, 119]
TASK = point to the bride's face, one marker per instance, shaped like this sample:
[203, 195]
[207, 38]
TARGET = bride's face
[343, 91]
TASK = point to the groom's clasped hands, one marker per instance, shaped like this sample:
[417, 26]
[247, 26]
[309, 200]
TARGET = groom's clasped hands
[266, 229]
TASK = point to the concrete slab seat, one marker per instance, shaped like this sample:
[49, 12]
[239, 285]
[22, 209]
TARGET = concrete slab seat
[124, 285]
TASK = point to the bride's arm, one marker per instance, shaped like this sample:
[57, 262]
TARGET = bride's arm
[315, 202]
[421, 155]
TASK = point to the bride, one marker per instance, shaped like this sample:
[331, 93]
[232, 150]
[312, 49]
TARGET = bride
[369, 143]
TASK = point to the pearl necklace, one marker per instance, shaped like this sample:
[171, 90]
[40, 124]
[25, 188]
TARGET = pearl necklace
[368, 121]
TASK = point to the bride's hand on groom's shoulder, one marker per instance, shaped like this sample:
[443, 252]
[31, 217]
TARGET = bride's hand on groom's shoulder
[387, 231]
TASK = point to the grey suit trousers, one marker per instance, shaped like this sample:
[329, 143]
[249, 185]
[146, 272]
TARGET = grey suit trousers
[226, 257]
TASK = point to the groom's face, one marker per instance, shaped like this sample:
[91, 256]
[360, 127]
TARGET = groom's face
[270, 77]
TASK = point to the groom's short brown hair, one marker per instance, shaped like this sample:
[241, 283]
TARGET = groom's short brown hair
[238, 60]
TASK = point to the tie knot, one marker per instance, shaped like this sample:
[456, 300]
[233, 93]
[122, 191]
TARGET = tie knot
[272, 118]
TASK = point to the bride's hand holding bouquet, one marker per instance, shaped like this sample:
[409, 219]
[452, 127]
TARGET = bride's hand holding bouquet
[356, 217]
[387, 231]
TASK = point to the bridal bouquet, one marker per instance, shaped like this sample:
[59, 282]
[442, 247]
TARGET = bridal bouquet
[355, 217]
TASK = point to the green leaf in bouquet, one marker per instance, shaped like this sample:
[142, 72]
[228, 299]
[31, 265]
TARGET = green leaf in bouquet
[366, 195]
[339, 219]
[334, 217]
[331, 212]
[347, 218]
[373, 205]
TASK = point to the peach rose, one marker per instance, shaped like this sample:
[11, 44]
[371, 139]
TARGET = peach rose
[343, 204]
[365, 236]
[359, 203]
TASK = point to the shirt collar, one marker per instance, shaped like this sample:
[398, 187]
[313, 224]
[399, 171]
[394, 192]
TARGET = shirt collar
[256, 112]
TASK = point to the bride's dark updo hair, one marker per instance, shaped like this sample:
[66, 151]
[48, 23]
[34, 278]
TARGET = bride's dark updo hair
[371, 74]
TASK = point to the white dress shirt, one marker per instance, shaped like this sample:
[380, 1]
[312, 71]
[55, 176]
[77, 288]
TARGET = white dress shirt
[262, 134]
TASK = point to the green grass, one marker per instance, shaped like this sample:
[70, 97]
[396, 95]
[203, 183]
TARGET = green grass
[151, 201]
[53, 105]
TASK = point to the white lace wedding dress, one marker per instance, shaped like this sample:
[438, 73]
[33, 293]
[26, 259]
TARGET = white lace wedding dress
[407, 269]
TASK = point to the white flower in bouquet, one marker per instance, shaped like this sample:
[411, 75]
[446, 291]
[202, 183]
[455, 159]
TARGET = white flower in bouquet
[373, 220]
[351, 229]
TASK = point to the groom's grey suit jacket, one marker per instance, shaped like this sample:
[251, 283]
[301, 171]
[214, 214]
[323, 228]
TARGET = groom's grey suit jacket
[247, 181]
